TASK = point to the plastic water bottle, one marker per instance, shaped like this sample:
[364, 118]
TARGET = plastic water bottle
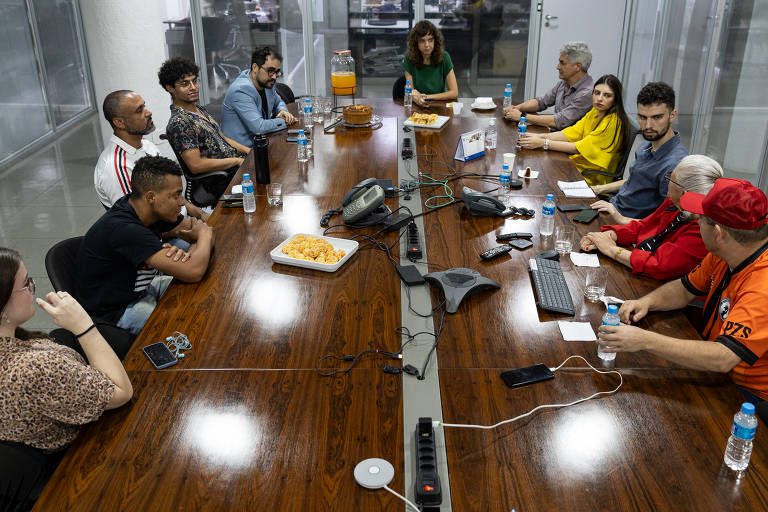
[522, 127]
[739, 447]
[308, 121]
[491, 134]
[301, 142]
[505, 178]
[611, 317]
[408, 96]
[548, 216]
[249, 201]
[507, 96]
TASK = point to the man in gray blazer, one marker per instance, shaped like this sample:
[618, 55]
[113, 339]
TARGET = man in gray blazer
[251, 105]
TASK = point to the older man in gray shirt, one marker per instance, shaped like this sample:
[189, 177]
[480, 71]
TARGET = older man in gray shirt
[571, 95]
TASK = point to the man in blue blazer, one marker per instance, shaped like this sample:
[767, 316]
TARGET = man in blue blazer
[251, 106]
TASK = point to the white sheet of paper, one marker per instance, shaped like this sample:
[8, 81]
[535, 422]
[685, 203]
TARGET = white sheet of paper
[534, 174]
[237, 189]
[575, 189]
[576, 331]
[581, 259]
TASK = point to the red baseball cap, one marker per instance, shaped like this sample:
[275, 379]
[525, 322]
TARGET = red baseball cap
[733, 203]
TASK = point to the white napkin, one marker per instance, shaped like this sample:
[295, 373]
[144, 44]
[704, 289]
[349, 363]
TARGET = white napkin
[237, 189]
[582, 259]
[576, 331]
[534, 174]
[575, 188]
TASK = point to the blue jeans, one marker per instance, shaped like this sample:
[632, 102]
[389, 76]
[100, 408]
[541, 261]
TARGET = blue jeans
[137, 312]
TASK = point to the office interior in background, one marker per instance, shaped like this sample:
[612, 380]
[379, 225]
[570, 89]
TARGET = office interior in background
[60, 59]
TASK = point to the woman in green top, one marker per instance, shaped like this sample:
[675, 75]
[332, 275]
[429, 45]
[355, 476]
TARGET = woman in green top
[428, 66]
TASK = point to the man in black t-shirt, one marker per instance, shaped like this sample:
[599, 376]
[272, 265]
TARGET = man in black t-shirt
[122, 256]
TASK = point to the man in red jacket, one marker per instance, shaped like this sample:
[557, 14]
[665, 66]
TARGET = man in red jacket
[666, 244]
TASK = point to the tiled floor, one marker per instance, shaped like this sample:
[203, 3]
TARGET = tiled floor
[48, 197]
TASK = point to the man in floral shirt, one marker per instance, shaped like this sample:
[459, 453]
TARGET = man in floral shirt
[192, 132]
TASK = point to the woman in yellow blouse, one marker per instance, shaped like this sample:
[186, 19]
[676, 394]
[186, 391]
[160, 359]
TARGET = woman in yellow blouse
[597, 140]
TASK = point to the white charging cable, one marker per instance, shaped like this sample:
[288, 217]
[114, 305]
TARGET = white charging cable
[437, 423]
[406, 500]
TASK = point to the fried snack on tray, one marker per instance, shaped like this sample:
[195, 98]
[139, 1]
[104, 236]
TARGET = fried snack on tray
[309, 248]
[425, 119]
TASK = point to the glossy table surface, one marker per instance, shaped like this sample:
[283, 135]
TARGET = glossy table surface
[244, 422]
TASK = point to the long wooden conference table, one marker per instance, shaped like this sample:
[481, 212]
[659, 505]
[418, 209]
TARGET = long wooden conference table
[244, 421]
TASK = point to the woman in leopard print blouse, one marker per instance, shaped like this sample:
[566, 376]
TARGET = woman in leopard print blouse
[47, 391]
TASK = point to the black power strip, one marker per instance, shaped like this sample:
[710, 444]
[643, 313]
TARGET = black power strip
[407, 151]
[427, 489]
[413, 246]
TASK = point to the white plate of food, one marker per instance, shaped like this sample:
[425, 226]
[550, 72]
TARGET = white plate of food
[430, 121]
[311, 251]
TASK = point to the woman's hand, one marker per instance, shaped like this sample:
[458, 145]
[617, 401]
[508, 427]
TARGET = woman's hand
[531, 141]
[66, 311]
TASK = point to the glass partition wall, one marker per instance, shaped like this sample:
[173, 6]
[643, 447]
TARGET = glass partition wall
[45, 84]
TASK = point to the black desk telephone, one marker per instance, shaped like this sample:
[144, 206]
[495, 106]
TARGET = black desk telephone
[364, 203]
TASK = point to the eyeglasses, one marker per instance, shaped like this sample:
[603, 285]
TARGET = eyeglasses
[276, 73]
[668, 179]
[186, 83]
[29, 284]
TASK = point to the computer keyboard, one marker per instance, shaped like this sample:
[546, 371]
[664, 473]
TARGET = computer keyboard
[551, 289]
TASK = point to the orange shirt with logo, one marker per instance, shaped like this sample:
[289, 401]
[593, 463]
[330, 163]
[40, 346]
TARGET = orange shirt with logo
[736, 313]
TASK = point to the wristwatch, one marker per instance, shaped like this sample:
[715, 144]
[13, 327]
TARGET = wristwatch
[546, 144]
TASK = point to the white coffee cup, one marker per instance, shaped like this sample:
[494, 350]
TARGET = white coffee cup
[457, 108]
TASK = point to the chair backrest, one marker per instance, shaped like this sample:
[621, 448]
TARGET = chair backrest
[627, 151]
[61, 264]
[184, 170]
[398, 89]
[285, 92]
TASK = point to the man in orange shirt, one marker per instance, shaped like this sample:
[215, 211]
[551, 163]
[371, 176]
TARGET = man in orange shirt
[734, 279]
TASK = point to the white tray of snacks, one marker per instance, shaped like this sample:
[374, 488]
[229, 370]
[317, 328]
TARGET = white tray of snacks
[431, 121]
[311, 251]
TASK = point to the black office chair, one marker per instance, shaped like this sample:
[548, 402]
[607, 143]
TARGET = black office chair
[619, 172]
[61, 266]
[398, 89]
[285, 93]
[24, 471]
[220, 44]
[202, 189]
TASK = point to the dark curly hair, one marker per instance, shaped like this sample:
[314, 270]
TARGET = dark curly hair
[259, 55]
[657, 92]
[10, 261]
[149, 174]
[173, 69]
[621, 135]
[421, 29]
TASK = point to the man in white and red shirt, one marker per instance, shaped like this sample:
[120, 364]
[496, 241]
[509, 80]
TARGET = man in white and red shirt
[130, 120]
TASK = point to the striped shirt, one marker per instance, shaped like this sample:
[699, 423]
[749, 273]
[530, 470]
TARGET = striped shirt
[112, 176]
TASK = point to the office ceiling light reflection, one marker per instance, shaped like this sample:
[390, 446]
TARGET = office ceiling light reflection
[224, 437]
[295, 218]
[274, 299]
[585, 440]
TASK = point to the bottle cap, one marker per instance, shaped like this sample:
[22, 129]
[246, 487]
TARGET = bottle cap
[522, 117]
[613, 309]
[550, 197]
[301, 132]
[408, 82]
[748, 408]
[246, 176]
[509, 85]
[307, 100]
[505, 167]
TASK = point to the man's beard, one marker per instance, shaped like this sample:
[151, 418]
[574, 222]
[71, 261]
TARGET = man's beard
[658, 135]
[145, 131]
[265, 85]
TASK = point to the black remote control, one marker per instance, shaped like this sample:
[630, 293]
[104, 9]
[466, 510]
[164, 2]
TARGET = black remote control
[511, 236]
[496, 251]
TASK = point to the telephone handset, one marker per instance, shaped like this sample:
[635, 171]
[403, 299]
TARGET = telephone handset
[358, 190]
[363, 203]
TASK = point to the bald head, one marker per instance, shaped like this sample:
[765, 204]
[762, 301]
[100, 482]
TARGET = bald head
[127, 114]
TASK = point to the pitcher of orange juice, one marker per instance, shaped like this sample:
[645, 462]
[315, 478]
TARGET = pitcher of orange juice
[343, 81]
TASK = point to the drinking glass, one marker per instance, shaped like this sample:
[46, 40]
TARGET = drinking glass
[274, 194]
[594, 285]
[564, 239]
